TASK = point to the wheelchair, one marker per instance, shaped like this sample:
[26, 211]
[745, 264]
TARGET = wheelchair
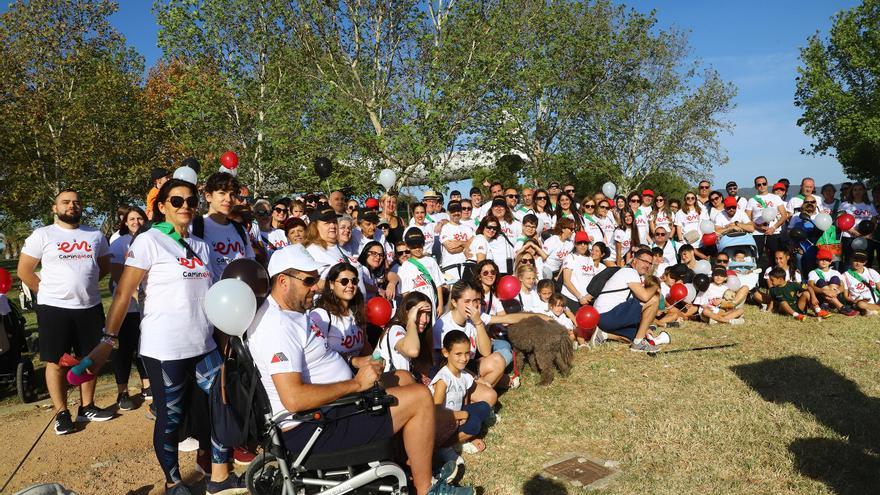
[365, 469]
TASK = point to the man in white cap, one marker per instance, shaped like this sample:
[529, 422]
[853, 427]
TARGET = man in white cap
[300, 372]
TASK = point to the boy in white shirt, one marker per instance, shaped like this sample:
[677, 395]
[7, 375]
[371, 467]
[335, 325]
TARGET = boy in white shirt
[827, 284]
[862, 285]
[228, 240]
[710, 301]
[420, 272]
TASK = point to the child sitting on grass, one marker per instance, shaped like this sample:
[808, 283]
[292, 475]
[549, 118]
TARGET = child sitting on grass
[710, 301]
[862, 285]
[452, 387]
[826, 283]
[791, 298]
[669, 315]
[562, 315]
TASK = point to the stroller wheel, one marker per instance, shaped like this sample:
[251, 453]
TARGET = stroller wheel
[263, 476]
[24, 381]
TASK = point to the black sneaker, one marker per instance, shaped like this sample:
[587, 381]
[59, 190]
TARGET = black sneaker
[178, 489]
[147, 393]
[124, 402]
[92, 412]
[63, 423]
[230, 486]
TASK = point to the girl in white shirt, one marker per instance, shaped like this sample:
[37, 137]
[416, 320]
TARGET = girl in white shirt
[710, 301]
[339, 315]
[625, 237]
[578, 269]
[528, 295]
[661, 216]
[859, 206]
[558, 246]
[407, 343]
[541, 207]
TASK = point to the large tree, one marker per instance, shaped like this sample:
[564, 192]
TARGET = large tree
[838, 92]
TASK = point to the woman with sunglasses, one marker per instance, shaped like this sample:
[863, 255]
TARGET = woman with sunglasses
[858, 205]
[641, 216]
[688, 220]
[176, 343]
[389, 214]
[541, 207]
[378, 279]
[511, 228]
[625, 238]
[715, 205]
[660, 214]
[270, 236]
[590, 221]
[605, 220]
[565, 208]
[579, 267]
[352, 209]
[487, 243]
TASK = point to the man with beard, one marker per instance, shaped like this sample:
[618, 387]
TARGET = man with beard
[74, 259]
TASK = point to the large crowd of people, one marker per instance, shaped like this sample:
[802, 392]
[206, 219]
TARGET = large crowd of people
[443, 354]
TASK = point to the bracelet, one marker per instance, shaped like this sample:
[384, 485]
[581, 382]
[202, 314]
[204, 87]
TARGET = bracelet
[111, 341]
[110, 335]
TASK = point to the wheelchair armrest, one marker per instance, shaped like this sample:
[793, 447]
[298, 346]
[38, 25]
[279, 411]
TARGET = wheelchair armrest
[374, 401]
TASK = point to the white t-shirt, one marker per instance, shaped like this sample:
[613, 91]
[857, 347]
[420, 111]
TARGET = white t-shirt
[663, 218]
[456, 387]
[341, 332]
[447, 324]
[118, 254]
[612, 294]
[328, 257]
[862, 211]
[500, 251]
[478, 245]
[226, 246]
[861, 291]
[275, 239]
[531, 302]
[562, 319]
[69, 265]
[797, 275]
[643, 222]
[711, 298]
[828, 208]
[722, 220]
[287, 342]
[687, 222]
[556, 250]
[492, 305]
[412, 279]
[174, 324]
[794, 203]
[669, 251]
[428, 230]
[582, 271]
[624, 237]
[814, 277]
[452, 232]
[387, 347]
[770, 201]
[520, 212]
[546, 221]
[512, 230]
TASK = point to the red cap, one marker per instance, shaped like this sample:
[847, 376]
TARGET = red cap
[729, 202]
[371, 203]
[648, 192]
[779, 185]
[824, 254]
[581, 236]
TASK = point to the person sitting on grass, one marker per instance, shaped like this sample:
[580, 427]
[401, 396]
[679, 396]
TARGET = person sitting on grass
[452, 388]
[546, 289]
[710, 302]
[670, 315]
[862, 285]
[558, 310]
[791, 298]
[826, 284]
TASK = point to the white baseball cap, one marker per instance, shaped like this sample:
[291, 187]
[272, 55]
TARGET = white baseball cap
[294, 256]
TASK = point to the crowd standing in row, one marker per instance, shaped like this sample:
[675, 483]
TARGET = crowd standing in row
[444, 355]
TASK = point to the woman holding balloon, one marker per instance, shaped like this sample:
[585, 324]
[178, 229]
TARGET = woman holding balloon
[857, 209]
[176, 342]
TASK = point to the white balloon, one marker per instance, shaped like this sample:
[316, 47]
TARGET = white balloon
[230, 305]
[187, 174]
[733, 283]
[609, 189]
[692, 293]
[231, 171]
[703, 266]
[769, 214]
[707, 227]
[387, 178]
[823, 221]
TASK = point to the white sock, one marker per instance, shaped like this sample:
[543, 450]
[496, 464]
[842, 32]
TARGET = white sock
[637, 341]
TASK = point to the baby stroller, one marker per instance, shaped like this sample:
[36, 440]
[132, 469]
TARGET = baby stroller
[15, 369]
[747, 270]
[275, 471]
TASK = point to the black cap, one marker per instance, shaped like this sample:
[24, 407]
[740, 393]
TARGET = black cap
[368, 215]
[323, 213]
[453, 207]
[731, 183]
[414, 237]
[158, 173]
[499, 202]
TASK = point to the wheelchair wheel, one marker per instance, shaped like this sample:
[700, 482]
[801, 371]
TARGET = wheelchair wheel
[25, 379]
[263, 477]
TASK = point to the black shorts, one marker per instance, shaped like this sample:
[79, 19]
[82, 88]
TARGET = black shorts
[62, 330]
[338, 434]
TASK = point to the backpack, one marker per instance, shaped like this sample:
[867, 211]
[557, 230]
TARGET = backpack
[597, 283]
[198, 229]
[239, 403]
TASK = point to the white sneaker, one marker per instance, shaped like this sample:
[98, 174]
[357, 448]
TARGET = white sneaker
[514, 382]
[598, 338]
[190, 444]
[737, 321]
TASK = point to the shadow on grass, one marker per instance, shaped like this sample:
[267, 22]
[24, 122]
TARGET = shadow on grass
[542, 486]
[838, 403]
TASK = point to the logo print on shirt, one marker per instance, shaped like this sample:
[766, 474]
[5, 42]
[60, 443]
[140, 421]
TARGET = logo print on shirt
[420, 281]
[226, 248]
[190, 262]
[279, 357]
[66, 247]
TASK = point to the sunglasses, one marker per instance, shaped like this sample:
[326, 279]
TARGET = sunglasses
[605, 207]
[540, 198]
[704, 187]
[722, 261]
[279, 210]
[634, 200]
[760, 183]
[659, 234]
[568, 191]
[401, 253]
[488, 273]
[690, 198]
[589, 206]
[466, 209]
[351, 208]
[715, 198]
[809, 202]
[490, 227]
[177, 201]
[308, 280]
[659, 200]
[345, 280]
[377, 254]
[530, 261]
[512, 196]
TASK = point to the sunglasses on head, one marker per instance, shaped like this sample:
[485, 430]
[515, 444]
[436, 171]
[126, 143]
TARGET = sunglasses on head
[279, 210]
[343, 281]
[177, 201]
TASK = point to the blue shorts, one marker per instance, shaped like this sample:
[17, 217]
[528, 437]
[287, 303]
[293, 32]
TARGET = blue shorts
[503, 347]
[623, 319]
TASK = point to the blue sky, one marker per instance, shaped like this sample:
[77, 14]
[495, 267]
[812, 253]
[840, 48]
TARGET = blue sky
[753, 44]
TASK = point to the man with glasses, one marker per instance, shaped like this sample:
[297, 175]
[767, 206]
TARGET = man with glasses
[664, 241]
[808, 187]
[627, 308]
[467, 210]
[705, 187]
[767, 236]
[300, 372]
[553, 191]
[518, 210]
[732, 190]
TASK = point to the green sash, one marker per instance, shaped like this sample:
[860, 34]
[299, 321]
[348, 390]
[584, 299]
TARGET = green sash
[874, 291]
[760, 202]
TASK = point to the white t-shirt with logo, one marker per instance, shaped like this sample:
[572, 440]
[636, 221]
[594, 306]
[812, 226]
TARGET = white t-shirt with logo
[456, 387]
[446, 324]
[328, 257]
[512, 230]
[797, 275]
[174, 324]
[861, 291]
[711, 298]
[663, 218]
[689, 221]
[272, 239]
[770, 201]
[342, 332]
[428, 230]
[624, 237]
[118, 254]
[546, 221]
[530, 301]
[814, 277]
[862, 211]
[226, 246]
[287, 342]
[828, 208]
[612, 294]
[722, 220]
[593, 230]
[582, 271]
[643, 222]
[556, 250]
[412, 279]
[452, 232]
[387, 347]
[69, 265]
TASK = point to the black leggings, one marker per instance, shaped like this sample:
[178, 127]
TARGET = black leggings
[129, 336]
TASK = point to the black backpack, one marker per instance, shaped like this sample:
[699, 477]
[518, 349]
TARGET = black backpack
[239, 403]
[597, 283]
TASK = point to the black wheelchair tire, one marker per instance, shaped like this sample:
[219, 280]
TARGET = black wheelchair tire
[261, 477]
[24, 381]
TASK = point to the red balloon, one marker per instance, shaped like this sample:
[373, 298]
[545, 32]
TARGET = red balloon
[710, 239]
[229, 160]
[846, 222]
[676, 293]
[731, 273]
[508, 288]
[378, 311]
[587, 318]
[5, 281]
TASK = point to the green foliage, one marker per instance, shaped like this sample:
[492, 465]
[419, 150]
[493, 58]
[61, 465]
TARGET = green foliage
[837, 91]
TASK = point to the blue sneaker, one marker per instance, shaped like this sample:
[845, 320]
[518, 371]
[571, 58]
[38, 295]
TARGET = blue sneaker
[232, 485]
